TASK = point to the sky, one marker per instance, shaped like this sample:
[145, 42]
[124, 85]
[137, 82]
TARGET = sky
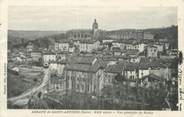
[81, 17]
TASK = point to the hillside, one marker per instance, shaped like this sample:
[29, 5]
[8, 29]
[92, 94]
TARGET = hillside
[31, 35]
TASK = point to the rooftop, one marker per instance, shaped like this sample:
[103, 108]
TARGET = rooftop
[121, 66]
[85, 66]
[152, 77]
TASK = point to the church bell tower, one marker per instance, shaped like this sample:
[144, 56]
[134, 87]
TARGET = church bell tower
[95, 28]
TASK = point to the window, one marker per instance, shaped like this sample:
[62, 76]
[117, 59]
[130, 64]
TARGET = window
[78, 87]
[82, 87]
[109, 80]
[94, 87]
[87, 87]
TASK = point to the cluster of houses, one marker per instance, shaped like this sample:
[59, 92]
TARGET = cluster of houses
[86, 64]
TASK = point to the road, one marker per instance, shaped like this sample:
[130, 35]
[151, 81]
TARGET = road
[34, 90]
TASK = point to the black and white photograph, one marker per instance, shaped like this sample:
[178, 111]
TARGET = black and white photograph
[92, 58]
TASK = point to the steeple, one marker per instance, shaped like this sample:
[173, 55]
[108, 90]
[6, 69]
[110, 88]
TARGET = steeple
[95, 28]
[95, 25]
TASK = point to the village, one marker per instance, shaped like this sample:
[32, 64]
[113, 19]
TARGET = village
[97, 69]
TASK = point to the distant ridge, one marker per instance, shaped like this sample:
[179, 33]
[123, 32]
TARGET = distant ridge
[32, 35]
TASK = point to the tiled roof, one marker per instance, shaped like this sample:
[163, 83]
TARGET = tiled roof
[146, 63]
[36, 51]
[64, 41]
[88, 41]
[152, 46]
[152, 77]
[121, 66]
[122, 57]
[85, 64]
[128, 66]
[56, 79]
[109, 58]
[81, 59]
[116, 49]
[132, 52]
[113, 69]
[108, 38]
[59, 62]
[49, 53]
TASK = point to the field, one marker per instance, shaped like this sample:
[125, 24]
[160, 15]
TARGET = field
[25, 80]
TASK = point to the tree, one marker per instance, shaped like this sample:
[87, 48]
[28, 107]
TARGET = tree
[119, 78]
[109, 45]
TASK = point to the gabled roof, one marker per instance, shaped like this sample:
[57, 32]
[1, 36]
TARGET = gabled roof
[84, 63]
[146, 63]
[86, 67]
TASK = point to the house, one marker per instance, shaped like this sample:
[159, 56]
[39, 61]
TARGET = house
[71, 48]
[141, 46]
[109, 59]
[36, 56]
[165, 42]
[129, 70]
[30, 47]
[57, 67]
[131, 53]
[123, 34]
[160, 47]
[131, 44]
[88, 45]
[107, 39]
[61, 56]
[111, 71]
[151, 80]
[62, 45]
[122, 58]
[84, 74]
[154, 66]
[126, 69]
[152, 51]
[144, 67]
[148, 35]
[48, 57]
[134, 59]
[116, 43]
[116, 51]
[56, 84]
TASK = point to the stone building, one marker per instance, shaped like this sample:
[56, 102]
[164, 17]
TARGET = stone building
[84, 74]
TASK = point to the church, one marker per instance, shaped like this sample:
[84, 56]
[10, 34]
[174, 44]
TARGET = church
[84, 34]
